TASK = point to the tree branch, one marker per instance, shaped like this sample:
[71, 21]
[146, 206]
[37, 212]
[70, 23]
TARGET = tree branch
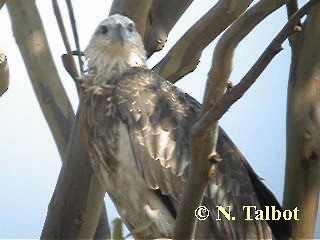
[163, 16]
[203, 155]
[230, 97]
[4, 73]
[184, 56]
[68, 60]
[136, 10]
[55, 105]
[32, 42]
[302, 177]
[77, 201]
[223, 53]
[75, 33]
[292, 7]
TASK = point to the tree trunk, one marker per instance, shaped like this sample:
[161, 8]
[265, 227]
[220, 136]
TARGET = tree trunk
[302, 180]
[56, 107]
[33, 44]
[78, 198]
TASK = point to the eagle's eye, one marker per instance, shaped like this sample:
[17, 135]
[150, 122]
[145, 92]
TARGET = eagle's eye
[130, 27]
[103, 29]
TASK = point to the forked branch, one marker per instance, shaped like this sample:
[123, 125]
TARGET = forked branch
[184, 56]
[163, 16]
[230, 97]
[223, 53]
[206, 128]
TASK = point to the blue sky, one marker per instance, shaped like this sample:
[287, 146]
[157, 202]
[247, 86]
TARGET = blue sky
[30, 162]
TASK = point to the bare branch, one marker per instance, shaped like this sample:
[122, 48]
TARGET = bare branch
[200, 170]
[137, 10]
[78, 198]
[68, 60]
[75, 33]
[235, 93]
[163, 16]
[4, 73]
[55, 105]
[184, 57]
[292, 7]
[223, 53]
[302, 178]
[31, 39]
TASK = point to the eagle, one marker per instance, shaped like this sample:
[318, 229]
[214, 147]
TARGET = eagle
[139, 135]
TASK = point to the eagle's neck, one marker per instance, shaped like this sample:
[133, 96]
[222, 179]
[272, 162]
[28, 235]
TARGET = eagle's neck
[108, 66]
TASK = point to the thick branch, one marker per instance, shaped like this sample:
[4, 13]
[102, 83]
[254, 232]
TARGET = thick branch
[137, 10]
[223, 53]
[4, 73]
[225, 102]
[302, 180]
[31, 39]
[184, 57]
[55, 105]
[164, 14]
[292, 7]
[217, 78]
[77, 201]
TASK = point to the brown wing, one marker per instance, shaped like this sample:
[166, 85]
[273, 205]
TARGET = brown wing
[159, 117]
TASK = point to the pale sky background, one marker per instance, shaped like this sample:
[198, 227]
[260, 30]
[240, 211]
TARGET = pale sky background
[30, 163]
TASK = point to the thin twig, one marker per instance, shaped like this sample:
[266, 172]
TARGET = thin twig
[69, 64]
[230, 97]
[75, 33]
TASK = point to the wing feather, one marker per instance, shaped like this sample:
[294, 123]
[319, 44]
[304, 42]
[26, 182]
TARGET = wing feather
[159, 117]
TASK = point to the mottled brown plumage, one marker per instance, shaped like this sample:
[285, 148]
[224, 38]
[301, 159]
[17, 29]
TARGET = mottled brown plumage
[139, 135]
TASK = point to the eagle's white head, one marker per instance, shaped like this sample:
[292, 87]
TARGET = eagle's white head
[114, 47]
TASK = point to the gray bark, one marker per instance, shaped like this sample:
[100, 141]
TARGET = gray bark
[78, 198]
[53, 100]
[302, 180]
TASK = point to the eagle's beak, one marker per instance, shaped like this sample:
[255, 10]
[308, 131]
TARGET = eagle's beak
[121, 34]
